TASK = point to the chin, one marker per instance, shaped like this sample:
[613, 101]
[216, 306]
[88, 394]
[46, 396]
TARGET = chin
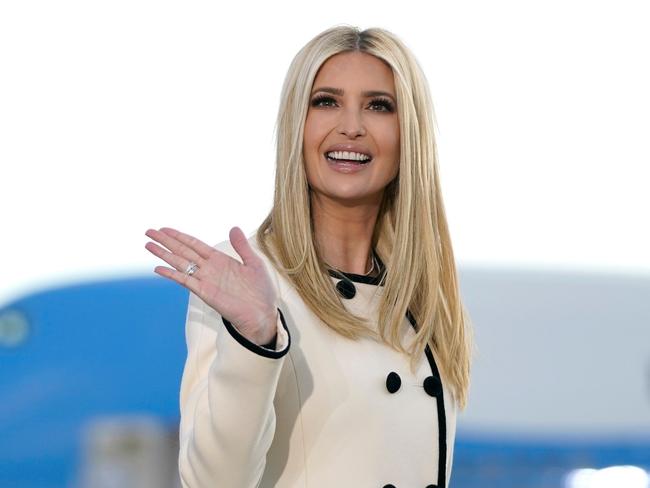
[350, 194]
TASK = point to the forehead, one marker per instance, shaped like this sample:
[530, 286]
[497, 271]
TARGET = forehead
[355, 69]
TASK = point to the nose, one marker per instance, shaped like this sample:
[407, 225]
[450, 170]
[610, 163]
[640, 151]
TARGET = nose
[351, 123]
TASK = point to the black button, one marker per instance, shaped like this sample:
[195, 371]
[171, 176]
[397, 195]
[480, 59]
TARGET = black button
[393, 382]
[389, 486]
[432, 486]
[346, 288]
[432, 385]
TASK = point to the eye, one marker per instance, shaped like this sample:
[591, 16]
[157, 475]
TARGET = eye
[385, 104]
[320, 100]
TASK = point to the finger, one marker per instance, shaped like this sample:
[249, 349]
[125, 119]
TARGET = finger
[190, 282]
[197, 245]
[242, 246]
[177, 262]
[175, 245]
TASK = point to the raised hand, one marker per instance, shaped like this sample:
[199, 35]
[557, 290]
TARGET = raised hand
[241, 293]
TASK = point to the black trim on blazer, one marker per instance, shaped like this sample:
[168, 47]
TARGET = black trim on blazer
[251, 346]
[271, 345]
[370, 280]
[442, 418]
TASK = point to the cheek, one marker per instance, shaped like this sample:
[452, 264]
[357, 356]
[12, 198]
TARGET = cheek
[393, 137]
[310, 148]
[391, 141]
[311, 137]
[387, 135]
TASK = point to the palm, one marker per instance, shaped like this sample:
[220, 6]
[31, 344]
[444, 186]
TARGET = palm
[237, 290]
[241, 292]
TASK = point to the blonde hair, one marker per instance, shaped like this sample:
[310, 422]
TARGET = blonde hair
[411, 235]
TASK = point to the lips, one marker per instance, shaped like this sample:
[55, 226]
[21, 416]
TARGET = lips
[345, 166]
[349, 161]
[350, 148]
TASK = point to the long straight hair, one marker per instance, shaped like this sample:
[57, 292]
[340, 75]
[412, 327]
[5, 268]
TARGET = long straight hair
[411, 234]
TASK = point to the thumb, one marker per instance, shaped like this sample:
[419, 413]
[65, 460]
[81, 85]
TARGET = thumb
[241, 245]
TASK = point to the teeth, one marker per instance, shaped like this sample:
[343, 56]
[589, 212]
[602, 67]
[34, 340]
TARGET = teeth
[354, 156]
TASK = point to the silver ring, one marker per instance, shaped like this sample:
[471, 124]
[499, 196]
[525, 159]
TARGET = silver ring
[191, 268]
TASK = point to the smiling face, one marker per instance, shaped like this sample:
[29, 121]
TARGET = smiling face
[352, 115]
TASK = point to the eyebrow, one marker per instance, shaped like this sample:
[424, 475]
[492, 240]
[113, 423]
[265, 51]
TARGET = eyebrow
[339, 92]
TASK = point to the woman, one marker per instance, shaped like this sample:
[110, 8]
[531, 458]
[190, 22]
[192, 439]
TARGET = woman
[311, 363]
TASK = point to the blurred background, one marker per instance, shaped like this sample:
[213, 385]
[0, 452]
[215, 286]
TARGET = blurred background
[123, 116]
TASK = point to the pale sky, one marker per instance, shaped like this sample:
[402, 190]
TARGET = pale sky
[120, 116]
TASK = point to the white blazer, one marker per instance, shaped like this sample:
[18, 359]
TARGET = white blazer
[319, 411]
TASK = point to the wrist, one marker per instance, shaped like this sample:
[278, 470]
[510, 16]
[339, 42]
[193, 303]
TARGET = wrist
[267, 332]
[284, 336]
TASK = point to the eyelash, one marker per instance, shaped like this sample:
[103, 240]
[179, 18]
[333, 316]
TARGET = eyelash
[384, 102]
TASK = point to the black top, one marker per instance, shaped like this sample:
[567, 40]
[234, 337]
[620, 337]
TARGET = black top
[370, 280]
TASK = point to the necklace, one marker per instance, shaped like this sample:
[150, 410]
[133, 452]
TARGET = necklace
[372, 267]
